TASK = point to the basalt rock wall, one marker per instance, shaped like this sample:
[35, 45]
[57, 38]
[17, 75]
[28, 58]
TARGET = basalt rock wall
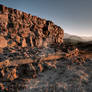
[24, 30]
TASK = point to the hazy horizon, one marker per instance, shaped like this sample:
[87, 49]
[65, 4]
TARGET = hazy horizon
[74, 16]
[77, 35]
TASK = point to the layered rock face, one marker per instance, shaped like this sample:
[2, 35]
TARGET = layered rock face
[23, 36]
[23, 52]
[22, 29]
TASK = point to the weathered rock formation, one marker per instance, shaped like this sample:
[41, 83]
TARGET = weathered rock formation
[22, 29]
[28, 45]
[20, 34]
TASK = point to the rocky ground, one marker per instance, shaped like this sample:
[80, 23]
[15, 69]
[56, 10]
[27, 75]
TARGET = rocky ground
[34, 58]
[53, 72]
[66, 77]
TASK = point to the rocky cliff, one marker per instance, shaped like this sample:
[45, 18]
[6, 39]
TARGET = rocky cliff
[23, 40]
[30, 45]
[24, 30]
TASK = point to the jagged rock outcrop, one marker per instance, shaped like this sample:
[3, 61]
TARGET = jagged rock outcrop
[22, 29]
[21, 36]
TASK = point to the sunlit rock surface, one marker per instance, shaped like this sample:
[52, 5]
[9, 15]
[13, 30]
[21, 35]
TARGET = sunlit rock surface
[33, 57]
[26, 30]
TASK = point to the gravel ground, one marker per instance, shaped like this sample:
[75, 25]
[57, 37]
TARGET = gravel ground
[65, 78]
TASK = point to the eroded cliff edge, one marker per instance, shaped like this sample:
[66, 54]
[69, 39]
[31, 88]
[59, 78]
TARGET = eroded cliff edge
[22, 29]
[28, 45]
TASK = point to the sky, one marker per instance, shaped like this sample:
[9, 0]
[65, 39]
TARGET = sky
[74, 16]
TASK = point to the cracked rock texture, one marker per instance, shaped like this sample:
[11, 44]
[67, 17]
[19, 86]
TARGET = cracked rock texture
[33, 57]
[22, 29]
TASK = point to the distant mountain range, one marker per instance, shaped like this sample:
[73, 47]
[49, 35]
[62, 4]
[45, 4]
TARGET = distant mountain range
[82, 43]
[77, 38]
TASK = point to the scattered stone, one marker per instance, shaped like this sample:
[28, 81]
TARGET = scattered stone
[3, 42]
[11, 74]
[1, 50]
[25, 25]
[24, 44]
[18, 39]
[2, 86]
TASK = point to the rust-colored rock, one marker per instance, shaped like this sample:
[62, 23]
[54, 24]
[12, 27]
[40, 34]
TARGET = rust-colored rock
[17, 25]
[1, 50]
[18, 39]
[3, 42]
[24, 44]
[2, 86]
[21, 34]
[9, 74]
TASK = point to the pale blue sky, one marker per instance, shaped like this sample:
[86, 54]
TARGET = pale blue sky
[74, 16]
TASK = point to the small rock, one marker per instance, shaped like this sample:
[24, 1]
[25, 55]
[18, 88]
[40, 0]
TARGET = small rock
[24, 44]
[1, 50]
[12, 74]
[18, 39]
[3, 42]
